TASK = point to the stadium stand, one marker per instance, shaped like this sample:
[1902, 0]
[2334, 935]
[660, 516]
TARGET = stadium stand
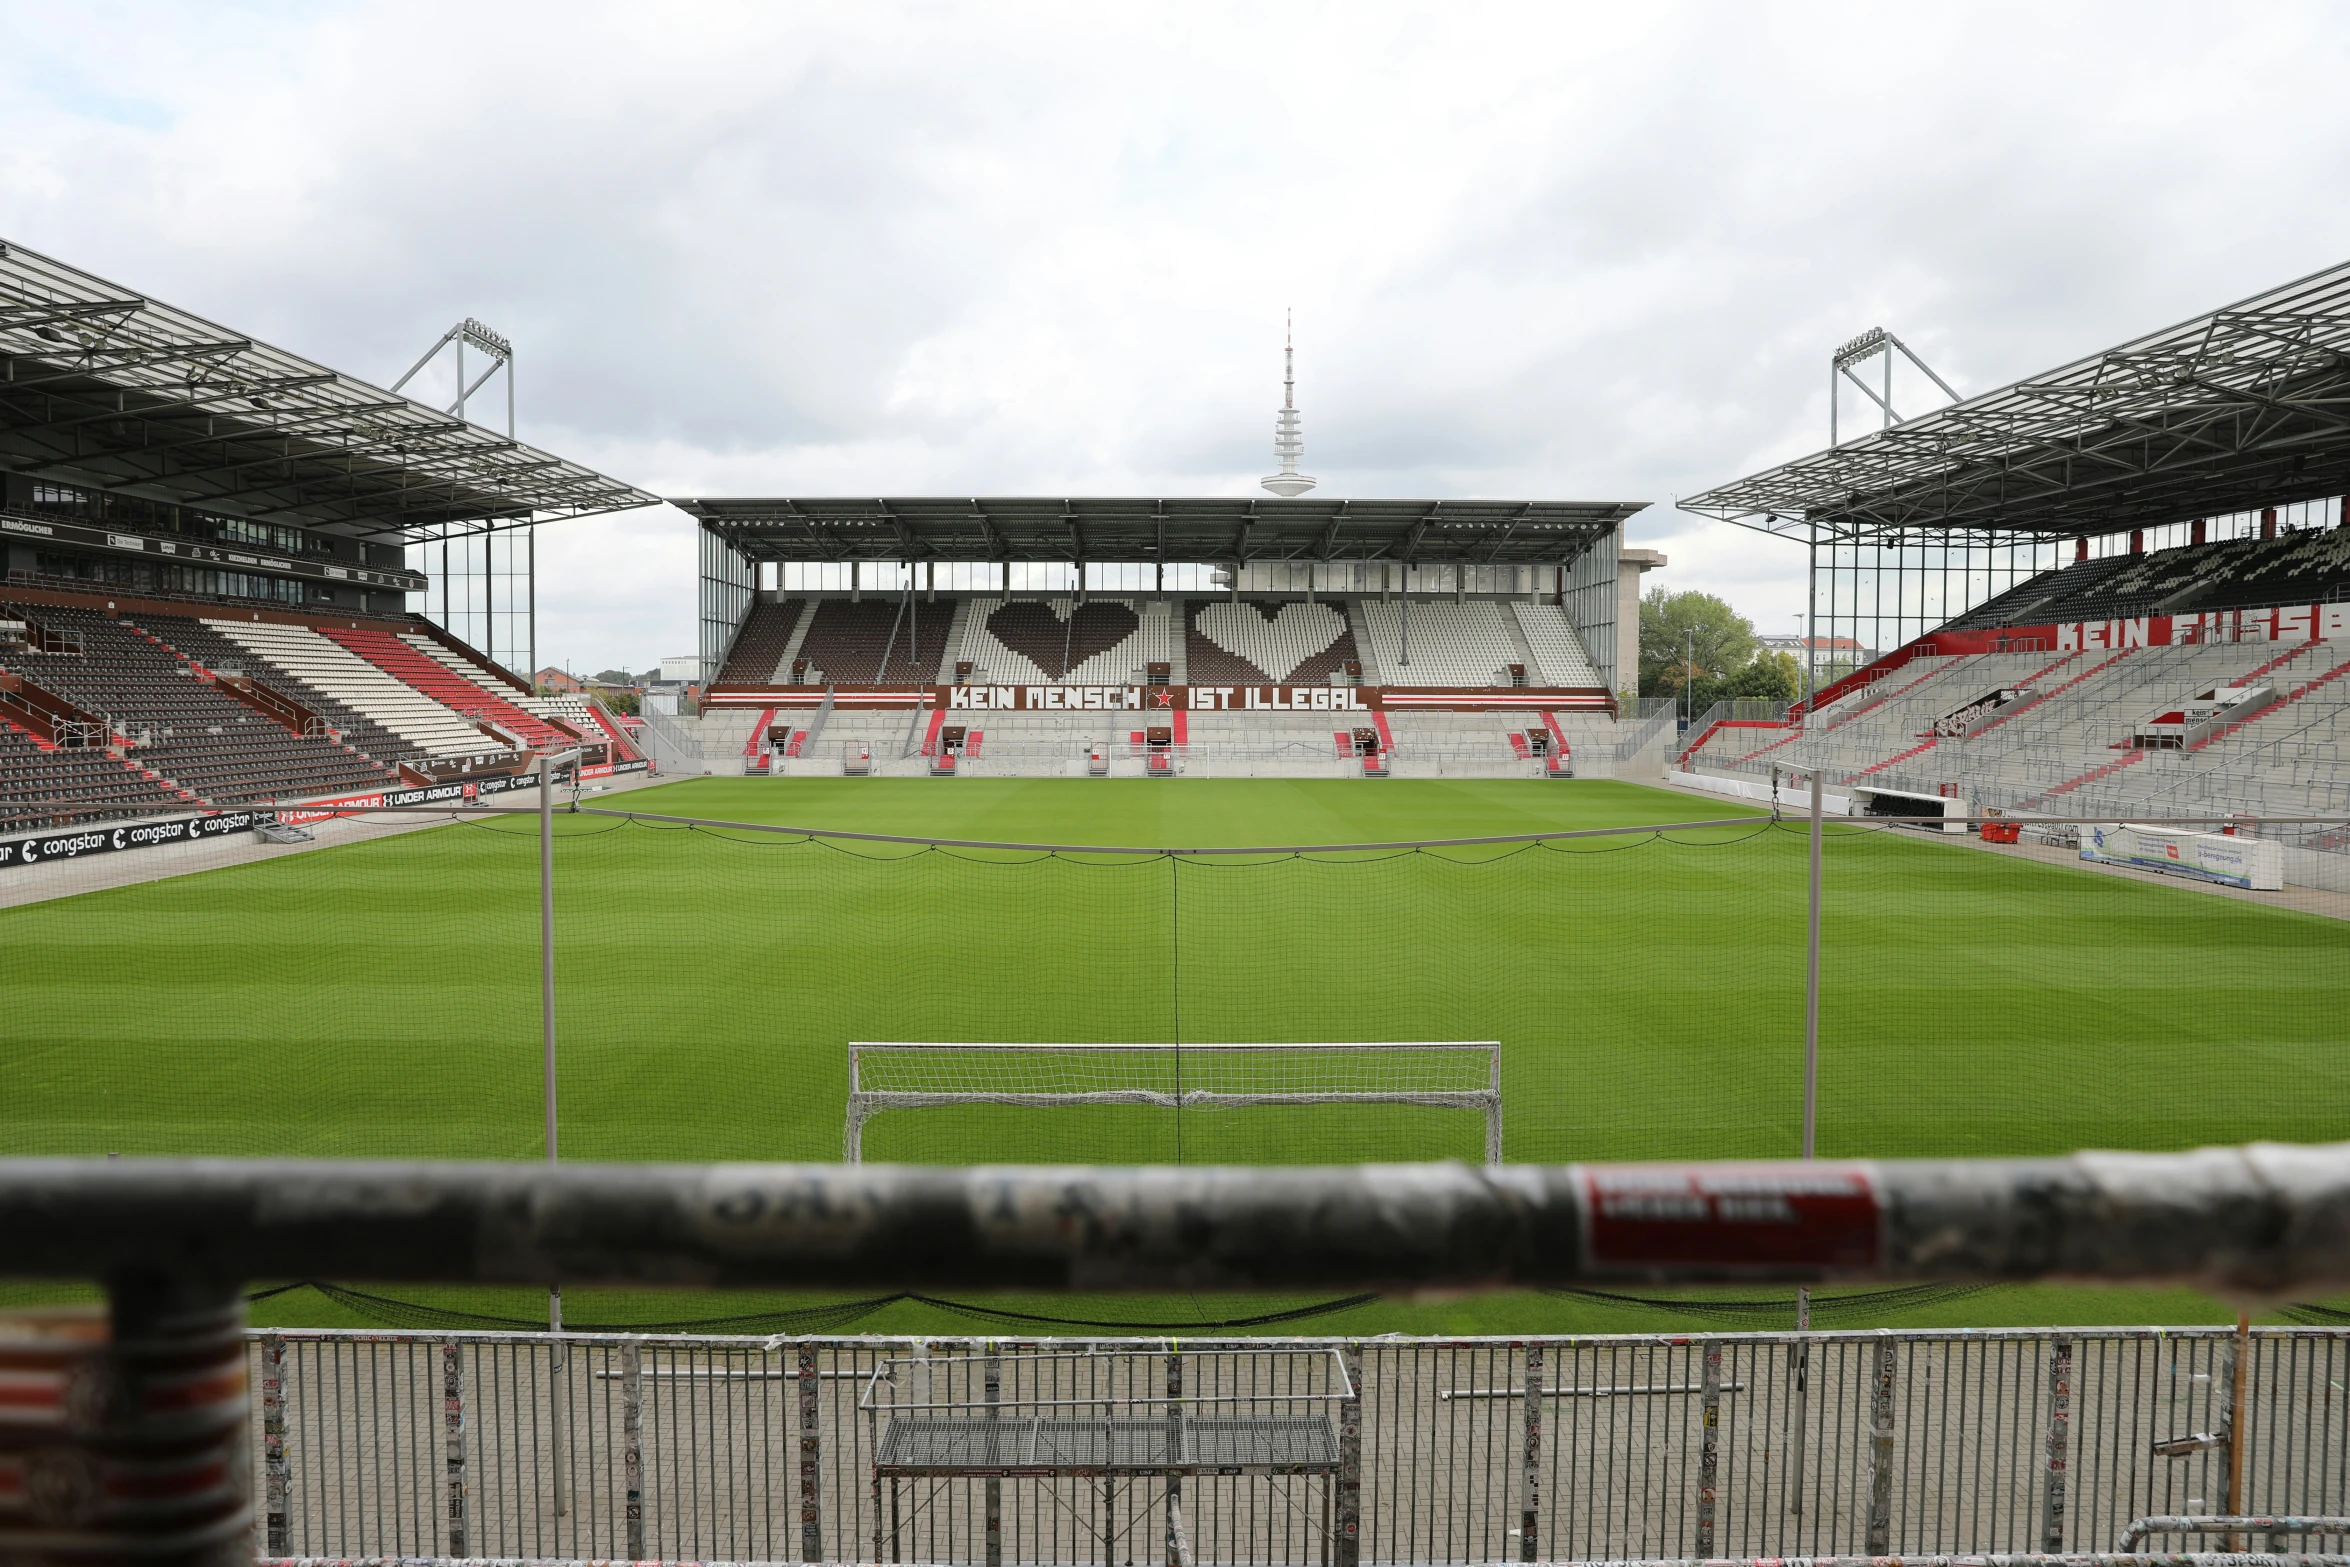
[176, 727]
[1559, 657]
[1061, 642]
[404, 657]
[1455, 644]
[200, 645]
[896, 641]
[35, 778]
[2310, 567]
[590, 719]
[1248, 643]
[422, 729]
[2067, 743]
[570, 713]
[757, 657]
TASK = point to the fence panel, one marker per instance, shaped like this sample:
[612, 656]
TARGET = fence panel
[1480, 1450]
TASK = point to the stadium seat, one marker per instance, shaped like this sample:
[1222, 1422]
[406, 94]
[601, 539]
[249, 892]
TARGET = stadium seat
[177, 731]
[1452, 644]
[1253, 643]
[2309, 567]
[422, 729]
[1057, 641]
[880, 641]
[757, 655]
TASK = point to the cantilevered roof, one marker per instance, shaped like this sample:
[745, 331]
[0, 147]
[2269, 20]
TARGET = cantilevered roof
[101, 386]
[1216, 529]
[2247, 406]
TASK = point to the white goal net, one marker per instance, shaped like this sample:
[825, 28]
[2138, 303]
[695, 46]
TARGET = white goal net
[1322, 1103]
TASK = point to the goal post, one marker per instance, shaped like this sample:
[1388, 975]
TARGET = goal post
[1441, 1075]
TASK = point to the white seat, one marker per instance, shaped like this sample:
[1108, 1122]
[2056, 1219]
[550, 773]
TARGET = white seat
[342, 674]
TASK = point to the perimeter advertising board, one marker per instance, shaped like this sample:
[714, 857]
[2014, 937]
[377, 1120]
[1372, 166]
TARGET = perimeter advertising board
[80, 842]
[75, 843]
[2257, 864]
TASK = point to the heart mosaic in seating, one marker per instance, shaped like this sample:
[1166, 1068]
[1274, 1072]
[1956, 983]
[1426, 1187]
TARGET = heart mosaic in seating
[1040, 631]
[1276, 644]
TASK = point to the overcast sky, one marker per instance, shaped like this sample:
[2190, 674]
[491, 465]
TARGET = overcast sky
[1551, 252]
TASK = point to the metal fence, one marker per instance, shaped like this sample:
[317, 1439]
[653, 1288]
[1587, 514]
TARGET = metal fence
[593, 1446]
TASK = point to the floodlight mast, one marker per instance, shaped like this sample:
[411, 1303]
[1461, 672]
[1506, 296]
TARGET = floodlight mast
[500, 351]
[1875, 343]
[501, 355]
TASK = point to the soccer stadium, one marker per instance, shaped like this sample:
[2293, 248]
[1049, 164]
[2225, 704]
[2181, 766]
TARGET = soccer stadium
[1186, 1028]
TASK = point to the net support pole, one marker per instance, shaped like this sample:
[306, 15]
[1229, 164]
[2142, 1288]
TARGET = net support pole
[558, 1357]
[1811, 986]
[547, 985]
[1800, 1354]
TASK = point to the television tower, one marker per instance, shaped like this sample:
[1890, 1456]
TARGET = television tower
[1289, 444]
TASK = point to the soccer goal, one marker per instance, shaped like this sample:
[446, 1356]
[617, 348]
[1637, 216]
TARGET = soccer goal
[1389, 1083]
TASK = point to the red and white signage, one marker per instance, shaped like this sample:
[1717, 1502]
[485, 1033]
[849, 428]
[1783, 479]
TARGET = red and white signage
[1770, 1219]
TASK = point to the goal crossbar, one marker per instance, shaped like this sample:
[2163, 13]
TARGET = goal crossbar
[1481, 1057]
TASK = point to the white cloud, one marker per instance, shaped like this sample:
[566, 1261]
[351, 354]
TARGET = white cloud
[1546, 251]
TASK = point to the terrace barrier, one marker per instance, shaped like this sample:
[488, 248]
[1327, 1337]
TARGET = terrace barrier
[139, 1442]
[745, 1449]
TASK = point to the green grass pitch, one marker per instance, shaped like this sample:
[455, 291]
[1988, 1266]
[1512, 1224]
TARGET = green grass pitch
[380, 999]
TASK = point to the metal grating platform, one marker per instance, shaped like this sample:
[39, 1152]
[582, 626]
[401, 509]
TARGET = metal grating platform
[1060, 1445]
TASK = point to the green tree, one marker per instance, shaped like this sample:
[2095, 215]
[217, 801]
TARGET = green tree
[1771, 677]
[1685, 632]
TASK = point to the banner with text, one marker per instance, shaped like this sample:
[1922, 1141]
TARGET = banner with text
[1144, 699]
[72, 843]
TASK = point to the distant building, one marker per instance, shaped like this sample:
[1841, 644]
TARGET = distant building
[1829, 649]
[553, 679]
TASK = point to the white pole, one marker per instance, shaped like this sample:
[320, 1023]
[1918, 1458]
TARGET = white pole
[558, 1367]
[1811, 985]
[1811, 1107]
[547, 983]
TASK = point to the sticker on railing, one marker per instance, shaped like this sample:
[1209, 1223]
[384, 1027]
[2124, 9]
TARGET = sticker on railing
[1751, 1218]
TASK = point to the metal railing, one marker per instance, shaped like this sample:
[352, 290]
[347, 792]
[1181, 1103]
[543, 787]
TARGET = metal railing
[1846, 1436]
[1908, 1443]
